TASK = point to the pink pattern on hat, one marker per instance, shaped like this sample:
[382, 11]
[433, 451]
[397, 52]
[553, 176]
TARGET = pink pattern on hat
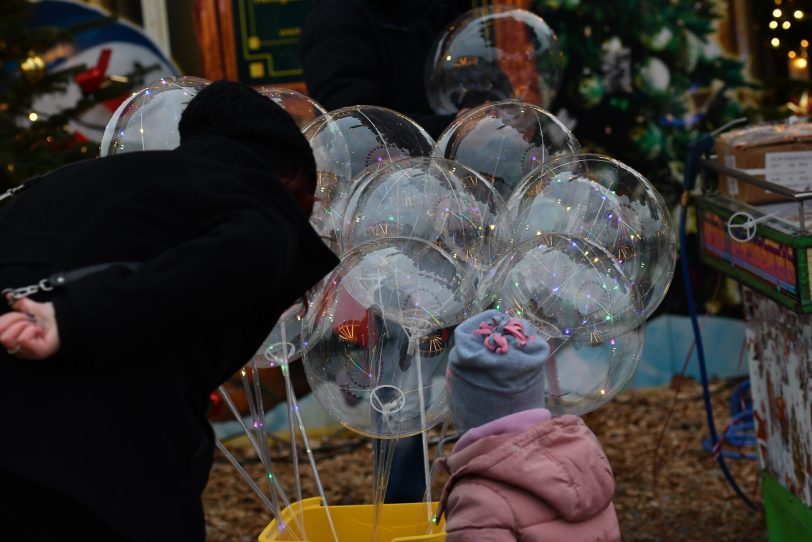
[495, 341]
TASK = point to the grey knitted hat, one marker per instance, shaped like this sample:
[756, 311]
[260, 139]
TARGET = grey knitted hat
[496, 368]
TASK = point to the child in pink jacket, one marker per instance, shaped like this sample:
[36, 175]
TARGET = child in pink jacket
[516, 472]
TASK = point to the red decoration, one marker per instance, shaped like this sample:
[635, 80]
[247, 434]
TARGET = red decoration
[90, 81]
[215, 405]
[354, 331]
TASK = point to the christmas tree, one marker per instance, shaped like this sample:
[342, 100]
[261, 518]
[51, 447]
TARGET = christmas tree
[642, 78]
[32, 142]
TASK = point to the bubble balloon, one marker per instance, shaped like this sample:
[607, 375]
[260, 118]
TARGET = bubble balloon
[275, 347]
[379, 335]
[608, 203]
[433, 199]
[347, 141]
[302, 108]
[505, 141]
[148, 120]
[490, 54]
[582, 376]
[411, 282]
[569, 287]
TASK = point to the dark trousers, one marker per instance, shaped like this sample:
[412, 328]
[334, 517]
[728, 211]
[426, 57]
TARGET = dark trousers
[30, 512]
[407, 479]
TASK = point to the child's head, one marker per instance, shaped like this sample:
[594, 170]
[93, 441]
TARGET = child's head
[495, 369]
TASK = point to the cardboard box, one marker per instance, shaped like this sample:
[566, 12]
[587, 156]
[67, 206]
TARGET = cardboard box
[779, 153]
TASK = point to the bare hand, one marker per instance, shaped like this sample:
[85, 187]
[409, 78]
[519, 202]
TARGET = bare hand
[30, 332]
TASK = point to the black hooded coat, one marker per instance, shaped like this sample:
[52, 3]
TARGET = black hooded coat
[115, 423]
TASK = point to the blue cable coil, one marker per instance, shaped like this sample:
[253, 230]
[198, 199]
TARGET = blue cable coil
[741, 431]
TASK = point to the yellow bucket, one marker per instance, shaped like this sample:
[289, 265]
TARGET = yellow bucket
[398, 523]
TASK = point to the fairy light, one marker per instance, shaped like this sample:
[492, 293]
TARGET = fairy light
[775, 42]
[33, 117]
[773, 25]
[800, 63]
[798, 14]
[777, 13]
[804, 43]
[791, 54]
[785, 25]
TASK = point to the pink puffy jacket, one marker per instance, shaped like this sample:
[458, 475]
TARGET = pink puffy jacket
[548, 481]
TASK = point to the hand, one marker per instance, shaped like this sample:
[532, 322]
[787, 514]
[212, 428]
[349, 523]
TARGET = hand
[30, 332]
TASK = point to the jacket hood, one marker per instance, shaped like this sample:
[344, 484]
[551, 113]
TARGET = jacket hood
[559, 462]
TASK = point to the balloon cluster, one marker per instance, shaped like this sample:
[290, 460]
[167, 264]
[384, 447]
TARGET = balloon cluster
[503, 211]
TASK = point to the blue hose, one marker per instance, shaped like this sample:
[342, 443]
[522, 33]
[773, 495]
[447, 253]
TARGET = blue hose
[691, 171]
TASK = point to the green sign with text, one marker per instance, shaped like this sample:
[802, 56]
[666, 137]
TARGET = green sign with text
[267, 35]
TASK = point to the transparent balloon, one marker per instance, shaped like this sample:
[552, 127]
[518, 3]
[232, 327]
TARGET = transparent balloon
[278, 347]
[302, 108]
[582, 376]
[608, 203]
[433, 199]
[379, 335]
[350, 140]
[493, 53]
[411, 282]
[148, 120]
[505, 141]
[568, 287]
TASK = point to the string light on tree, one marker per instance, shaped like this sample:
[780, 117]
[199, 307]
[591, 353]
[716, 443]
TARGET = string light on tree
[773, 25]
[798, 14]
[775, 42]
[33, 68]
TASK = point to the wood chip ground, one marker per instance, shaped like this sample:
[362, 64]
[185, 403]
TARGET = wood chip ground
[671, 492]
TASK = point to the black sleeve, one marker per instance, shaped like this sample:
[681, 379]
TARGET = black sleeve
[192, 290]
[339, 57]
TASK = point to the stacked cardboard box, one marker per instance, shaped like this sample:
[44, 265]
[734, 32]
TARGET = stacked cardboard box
[780, 153]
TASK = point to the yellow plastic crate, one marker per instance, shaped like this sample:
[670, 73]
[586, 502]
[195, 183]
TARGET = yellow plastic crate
[398, 523]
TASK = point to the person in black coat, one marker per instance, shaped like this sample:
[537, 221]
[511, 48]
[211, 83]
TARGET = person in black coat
[373, 52]
[187, 259]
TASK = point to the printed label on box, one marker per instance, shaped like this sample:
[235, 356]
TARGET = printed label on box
[790, 169]
[732, 184]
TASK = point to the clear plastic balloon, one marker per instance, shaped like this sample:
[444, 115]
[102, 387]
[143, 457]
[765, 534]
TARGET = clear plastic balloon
[493, 53]
[433, 199]
[275, 347]
[302, 108]
[411, 282]
[350, 140]
[505, 141]
[378, 336]
[148, 120]
[569, 287]
[582, 376]
[608, 203]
